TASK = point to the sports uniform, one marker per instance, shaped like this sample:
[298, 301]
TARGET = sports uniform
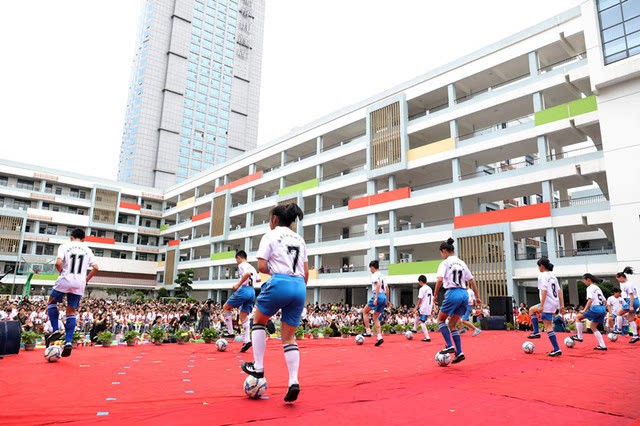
[425, 294]
[472, 300]
[627, 290]
[455, 274]
[244, 297]
[616, 304]
[546, 281]
[376, 278]
[597, 310]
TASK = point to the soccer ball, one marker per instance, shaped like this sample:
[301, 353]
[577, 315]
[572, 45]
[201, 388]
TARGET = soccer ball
[221, 345]
[359, 339]
[612, 337]
[255, 388]
[408, 335]
[443, 359]
[528, 347]
[569, 342]
[53, 353]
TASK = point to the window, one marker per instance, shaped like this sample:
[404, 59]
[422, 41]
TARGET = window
[98, 252]
[115, 254]
[48, 188]
[619, 28]
[25, 184]
[147, 223]
[182, 171]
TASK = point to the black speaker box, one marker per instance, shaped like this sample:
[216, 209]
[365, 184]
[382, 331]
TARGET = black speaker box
[501, 306]
[493, 323]
[9, 337]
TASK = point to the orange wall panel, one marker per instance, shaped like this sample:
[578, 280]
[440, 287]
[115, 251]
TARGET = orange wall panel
[516, 214]
[174, 243]
[129, 206]
[101, 240]
[241, 181]
[386, 197]
[201, 216]
[357, 203]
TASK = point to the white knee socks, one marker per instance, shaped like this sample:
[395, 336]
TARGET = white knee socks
[579, 326]
[292, 357]
[246, 333]
[599, 337]
[259, 339]
[424, 330]
[229, 322]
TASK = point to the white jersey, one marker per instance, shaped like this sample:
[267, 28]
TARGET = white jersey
[615, 303]
[284, 251]
[425, 294]
[472, 297]
[546, 281]
[595, 294]
[76, 257]
[454, 273]
[628, 289]
[377, 277]
[245, 267]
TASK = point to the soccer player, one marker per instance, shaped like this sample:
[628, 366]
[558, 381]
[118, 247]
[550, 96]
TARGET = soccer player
[425, 305]
[465, 318]
[378, 301]
[243, 297]
[630, 295]
[594, 311]
[615, 303]
[550, 300]
[283, 255]
[453, 274]
[74, 258]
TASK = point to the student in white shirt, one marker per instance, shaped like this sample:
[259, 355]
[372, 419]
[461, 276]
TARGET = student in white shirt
[425, 306]
[594, 311]
[378, 301]
[615, 303]
[465, 318]
[630, 295]
[551, 299]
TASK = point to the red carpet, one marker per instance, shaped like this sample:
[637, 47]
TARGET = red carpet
[341, 383]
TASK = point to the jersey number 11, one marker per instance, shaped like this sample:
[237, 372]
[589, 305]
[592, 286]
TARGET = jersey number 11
[80, 258]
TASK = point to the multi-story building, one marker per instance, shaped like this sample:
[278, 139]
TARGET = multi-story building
[194, 91]
[522, 149]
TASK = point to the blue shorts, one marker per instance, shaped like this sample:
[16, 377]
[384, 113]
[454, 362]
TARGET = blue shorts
[243, 298]
[546, 316]
[596, 314]
[465, 317]
[283, 292]
[627, 305]
[455, 302]
[382, 303]
[73, 300]
[423, 318]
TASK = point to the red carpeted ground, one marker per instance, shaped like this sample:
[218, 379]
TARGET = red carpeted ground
[341, 383]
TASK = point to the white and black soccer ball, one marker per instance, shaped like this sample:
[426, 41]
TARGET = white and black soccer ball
[222, 345]
[569, 342]
[612, 337]
[443, 359]
[255, 388]
[528, 347]
[409, 335]
[359, 339]
[53, 353]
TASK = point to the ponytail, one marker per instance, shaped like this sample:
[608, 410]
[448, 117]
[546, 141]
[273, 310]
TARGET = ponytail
[628, 270]
[590, 277]
[544, 261]
[287, 214]
[447, 246]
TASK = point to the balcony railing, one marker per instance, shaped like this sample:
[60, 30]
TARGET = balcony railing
[563, 62]
[429, 111]
[586, 252]
[431, 184]
[573, 152]
[344, 142]
[581, 201]
[342, 173]
[503, 167]
[494, 128]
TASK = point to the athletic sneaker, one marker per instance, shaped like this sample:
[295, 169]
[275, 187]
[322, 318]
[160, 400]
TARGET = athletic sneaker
[449, 350]
[600, 348]
[475, 333]
[366, 335]
[555, 353]
[464, 330]
[292, 393]
[379, 342]
[56, 335]
[245, 347]
[228, 336]
[617, 332]
[414, 331]
[635, 339]
[248, 368]
[458, 358]
[575, 338]
[67, 349]
[533, 336]
[425, 340]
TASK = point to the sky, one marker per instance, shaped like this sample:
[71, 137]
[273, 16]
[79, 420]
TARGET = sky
[66, 65]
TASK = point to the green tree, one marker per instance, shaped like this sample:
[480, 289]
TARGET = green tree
[163, 292]
[117, 291]
[606, 287]
[184, 281]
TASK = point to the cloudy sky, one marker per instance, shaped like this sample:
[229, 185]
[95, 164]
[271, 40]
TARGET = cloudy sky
[66, 65]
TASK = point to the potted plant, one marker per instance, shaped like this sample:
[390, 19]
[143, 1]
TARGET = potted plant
[433, 328]
[509, 326]
[314, 332]
[210, 335]
[299, 332]
[76, 339]
[130, 337]
[105, 337]
[327, 332]
[386, 329]
[182, 336]
[399, 329]
[359, 329]
[29, 338]
[345, 330]
[157, 335]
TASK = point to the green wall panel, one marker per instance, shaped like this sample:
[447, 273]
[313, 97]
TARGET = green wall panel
[552, 114]
[583, 106]
[164, 227]
[298, 187]
[48, 277]
[223, 255]
[414, 268]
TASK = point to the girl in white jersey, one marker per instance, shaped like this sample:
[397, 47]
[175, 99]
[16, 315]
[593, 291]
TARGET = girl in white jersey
[453, 274]
[283, 255]
[550, 300]
[378, 301]
[425, 306]
[615, 303]
[594, 311]
[630, 295]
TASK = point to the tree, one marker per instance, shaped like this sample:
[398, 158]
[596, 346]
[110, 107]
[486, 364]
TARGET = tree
[606, 287]
[184, 281]
[163, 292]
[117, 291]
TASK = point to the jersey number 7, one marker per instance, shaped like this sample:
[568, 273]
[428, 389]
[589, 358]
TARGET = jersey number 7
[295, 259]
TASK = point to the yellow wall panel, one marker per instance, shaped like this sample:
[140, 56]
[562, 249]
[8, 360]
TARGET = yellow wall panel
[185, 202]
[431, 149]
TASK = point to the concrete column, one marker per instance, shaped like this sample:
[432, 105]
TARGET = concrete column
[316, 295]
[547, 191]
[210, 279]
[318, 202]
[533, 63]
[319, 171]
[317, 261]
[451, 93]
[369, 294]
[247, 244]
[552, 243]
[283, 182]
[219, 296]
[318, 233]
[210, 294]
[392, 213]
[318, 144]
[393, 254]
[395, 295]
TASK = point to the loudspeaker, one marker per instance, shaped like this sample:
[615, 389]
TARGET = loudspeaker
[501, 306]
[493, 323]
[9, 337]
